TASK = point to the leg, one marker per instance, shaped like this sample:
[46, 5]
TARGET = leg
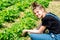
[58, 36]
[40, 37]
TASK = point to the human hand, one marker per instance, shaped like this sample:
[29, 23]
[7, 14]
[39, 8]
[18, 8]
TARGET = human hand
[24, 33]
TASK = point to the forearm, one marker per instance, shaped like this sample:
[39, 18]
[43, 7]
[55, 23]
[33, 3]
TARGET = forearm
[40, 30]
[34, 31]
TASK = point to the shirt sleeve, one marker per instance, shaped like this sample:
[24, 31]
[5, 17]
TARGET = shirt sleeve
[47, 21]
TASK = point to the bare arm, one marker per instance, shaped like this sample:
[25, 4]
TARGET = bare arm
[41, 29]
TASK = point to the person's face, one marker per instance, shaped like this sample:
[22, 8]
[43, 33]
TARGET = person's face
[38, 12]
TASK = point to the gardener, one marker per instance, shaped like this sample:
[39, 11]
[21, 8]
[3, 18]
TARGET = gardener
[49, 21]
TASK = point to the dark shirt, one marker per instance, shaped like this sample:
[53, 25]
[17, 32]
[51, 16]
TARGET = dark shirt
[52, 23]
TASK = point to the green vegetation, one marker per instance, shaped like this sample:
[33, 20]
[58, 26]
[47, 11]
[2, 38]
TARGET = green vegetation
[11, 10]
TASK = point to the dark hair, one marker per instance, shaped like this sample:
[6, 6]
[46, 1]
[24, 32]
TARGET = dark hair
[35, 4]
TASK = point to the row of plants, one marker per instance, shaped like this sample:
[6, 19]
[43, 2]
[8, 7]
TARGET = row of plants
[6, 3]
[9, 14]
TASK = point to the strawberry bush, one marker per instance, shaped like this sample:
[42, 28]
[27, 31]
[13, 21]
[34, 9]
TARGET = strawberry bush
[6, 3]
